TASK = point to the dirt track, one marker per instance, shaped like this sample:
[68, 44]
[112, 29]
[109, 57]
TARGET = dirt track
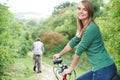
[47, 73]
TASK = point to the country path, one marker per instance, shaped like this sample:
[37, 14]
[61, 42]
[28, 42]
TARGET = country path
[47, 73]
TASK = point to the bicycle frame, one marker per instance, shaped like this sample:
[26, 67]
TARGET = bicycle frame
[65, 77]
[58, 61]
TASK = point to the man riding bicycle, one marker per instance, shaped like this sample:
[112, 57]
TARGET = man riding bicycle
[37, 49]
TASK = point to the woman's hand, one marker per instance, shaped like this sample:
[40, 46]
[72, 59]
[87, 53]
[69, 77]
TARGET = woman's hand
[66, 71]
[56, 56]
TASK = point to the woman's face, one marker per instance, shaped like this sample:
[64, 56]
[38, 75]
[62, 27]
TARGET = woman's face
[82, 13]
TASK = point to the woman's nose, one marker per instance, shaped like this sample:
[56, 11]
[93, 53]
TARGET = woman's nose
[80, 11]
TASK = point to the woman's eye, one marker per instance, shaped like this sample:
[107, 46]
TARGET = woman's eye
[78, 8]
[85, 9]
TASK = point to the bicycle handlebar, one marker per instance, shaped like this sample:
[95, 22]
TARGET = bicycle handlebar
[58, 61]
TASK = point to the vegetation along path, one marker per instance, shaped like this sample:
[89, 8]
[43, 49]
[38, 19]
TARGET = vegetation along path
[23, 70]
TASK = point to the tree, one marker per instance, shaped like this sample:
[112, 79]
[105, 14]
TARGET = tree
[6, 19]
[114, 13]
[98, 7]
[110, 27]
[63, 6]
[12, 40]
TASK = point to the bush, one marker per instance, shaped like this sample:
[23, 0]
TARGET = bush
[53, 41]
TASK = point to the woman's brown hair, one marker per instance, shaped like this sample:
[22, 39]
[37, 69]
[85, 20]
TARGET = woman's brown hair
[90, 9]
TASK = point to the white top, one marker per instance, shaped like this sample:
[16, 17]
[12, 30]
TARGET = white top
[38, 47]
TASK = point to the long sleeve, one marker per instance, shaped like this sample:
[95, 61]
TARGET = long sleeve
[74, 41]
[89, 35]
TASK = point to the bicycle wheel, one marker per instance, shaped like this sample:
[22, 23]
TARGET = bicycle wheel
[37, 64]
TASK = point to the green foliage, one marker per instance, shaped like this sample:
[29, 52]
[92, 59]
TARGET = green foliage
[115, 29]
[104, 25]
[63, 6]
[64, 22]
[114, 11]
[32, 22]
[12, 36]
[111, 32]
[68, 28]
[5, 17]
[22, 51]
[5, 59]
[98, 7]
[110, 28]
[54, 21]
[6, 54]
[20, 70]
[111, 42]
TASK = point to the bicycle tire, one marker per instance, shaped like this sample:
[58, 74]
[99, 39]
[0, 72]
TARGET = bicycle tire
[37, 64]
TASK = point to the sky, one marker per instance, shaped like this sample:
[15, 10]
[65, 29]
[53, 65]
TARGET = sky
[43, 7]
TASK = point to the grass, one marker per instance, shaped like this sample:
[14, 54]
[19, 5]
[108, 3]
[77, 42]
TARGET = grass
[21, 70]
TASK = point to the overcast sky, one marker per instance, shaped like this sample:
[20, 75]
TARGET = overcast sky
[43, 7]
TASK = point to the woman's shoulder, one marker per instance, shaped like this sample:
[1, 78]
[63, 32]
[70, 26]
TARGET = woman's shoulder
[93, 26]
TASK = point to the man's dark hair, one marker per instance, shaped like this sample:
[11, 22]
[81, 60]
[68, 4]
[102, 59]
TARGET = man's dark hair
[38, 39]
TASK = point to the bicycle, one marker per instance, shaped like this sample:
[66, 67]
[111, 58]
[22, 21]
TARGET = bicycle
[37, 64]
[116, 77]
[58, 61]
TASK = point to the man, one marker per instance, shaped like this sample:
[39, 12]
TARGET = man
[37, 49]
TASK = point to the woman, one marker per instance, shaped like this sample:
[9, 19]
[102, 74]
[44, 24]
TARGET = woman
[88, 37]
